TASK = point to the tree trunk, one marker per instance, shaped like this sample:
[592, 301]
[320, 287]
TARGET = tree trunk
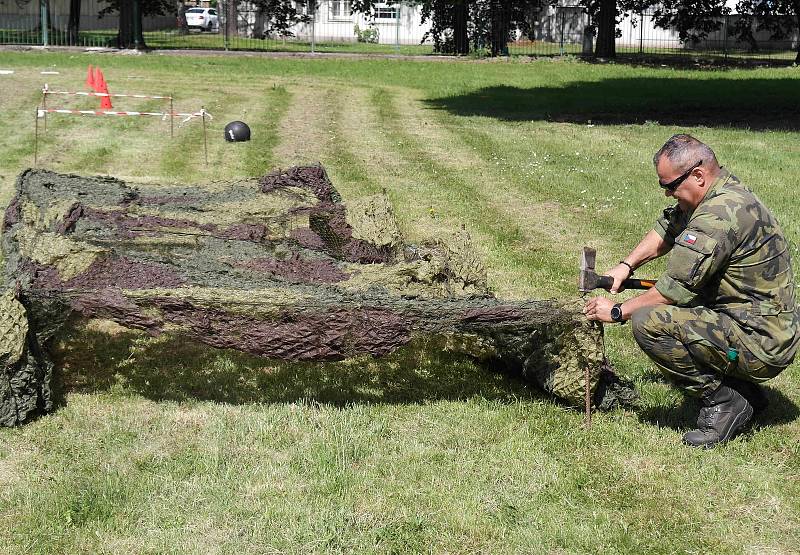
[277, 268]
[74, 22]
[797, 19]
[499, 31]
[460, 27]
[259, 23]
[605, 46]
[183, 25]
[232, 18]
[125, 33]
[130, 25]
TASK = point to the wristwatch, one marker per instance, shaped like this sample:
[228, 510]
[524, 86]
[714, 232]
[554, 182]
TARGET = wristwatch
[616, 312]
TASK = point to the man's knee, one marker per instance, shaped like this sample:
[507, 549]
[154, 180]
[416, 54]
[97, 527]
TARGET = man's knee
[645, 327]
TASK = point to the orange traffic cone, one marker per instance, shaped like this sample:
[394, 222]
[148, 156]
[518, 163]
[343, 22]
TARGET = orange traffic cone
[90, 78]
[102, 87]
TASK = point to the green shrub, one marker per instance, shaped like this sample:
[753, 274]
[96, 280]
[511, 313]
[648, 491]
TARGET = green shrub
[369, 35]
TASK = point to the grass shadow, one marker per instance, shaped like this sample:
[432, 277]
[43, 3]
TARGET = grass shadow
[781, 410]
[714, 101]
[173, 369]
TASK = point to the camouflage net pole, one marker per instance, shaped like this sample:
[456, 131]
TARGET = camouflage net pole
[276, 267]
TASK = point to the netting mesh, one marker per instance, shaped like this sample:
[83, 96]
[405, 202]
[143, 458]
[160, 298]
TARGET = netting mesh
[278, 267]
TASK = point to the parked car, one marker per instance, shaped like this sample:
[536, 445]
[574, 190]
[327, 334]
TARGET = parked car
[204, 19]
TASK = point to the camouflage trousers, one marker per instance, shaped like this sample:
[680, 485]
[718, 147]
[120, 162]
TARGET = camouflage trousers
[696, 347]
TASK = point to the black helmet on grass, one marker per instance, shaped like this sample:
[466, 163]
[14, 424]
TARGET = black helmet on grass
[237, 131]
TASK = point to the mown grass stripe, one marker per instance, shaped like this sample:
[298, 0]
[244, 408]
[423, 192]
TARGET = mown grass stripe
[349, 174]
[458, 196]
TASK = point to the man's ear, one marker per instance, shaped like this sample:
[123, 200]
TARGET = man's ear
[702, 177]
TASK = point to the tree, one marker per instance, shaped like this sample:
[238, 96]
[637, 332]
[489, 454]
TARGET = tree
[781, 18]
[74, 22]
[450, 24]
[604, 16]
[131, 12]
[180, 10]
[277, 17]
[692, 19]
[460, 26]
[695, 19]
[232, 18]
[607, 12]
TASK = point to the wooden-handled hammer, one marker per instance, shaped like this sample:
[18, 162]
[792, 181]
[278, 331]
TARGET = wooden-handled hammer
[588, 280]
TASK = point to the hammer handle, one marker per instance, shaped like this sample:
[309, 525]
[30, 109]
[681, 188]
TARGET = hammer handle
[605, 282]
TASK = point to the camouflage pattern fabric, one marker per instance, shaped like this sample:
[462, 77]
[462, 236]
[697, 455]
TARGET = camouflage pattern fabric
[277, 267]
[730, 255]
[696, 347]
[24, 371]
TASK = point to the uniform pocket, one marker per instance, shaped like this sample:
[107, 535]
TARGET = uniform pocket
[691, 257]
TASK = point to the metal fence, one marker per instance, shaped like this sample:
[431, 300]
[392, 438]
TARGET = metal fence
[331, 27]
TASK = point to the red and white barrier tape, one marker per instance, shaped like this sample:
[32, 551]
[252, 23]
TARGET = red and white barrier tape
[41, 112]
[48, 91]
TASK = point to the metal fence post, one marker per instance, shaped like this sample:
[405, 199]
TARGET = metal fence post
[313, 24]
[725, 37]
[224, 7]
[44, 9]
[641, 32]
[397, 29]
[563, 22]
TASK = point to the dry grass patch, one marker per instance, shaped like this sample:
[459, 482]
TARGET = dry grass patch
[302, 130]
[368, 142]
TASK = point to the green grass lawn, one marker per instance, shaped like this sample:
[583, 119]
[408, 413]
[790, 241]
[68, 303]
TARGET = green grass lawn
[175, 449]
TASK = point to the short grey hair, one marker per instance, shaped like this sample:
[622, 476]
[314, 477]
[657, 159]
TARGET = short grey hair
[684, 151]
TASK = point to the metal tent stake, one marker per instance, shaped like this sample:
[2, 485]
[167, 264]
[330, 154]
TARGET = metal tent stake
[171, 118]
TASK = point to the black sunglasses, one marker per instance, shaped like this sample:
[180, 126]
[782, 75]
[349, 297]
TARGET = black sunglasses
[672, 185]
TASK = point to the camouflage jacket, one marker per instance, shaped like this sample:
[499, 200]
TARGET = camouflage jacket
[730, 255]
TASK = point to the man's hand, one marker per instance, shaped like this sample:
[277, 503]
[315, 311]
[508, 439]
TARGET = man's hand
[598, 308]
[620, 273]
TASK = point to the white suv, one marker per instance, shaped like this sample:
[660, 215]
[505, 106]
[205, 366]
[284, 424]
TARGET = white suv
[204, 19]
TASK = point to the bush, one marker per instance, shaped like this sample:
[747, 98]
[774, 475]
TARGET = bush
[370, 34]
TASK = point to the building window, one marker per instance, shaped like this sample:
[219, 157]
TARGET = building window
[382, 11]
[339, 9]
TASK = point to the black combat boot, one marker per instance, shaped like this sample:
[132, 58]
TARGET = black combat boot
[724, 412]
[750, 391]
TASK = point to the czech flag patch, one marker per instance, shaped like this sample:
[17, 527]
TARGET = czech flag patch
[689, 239]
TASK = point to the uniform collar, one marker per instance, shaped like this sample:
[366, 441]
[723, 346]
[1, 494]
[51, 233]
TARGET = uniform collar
[723, 177]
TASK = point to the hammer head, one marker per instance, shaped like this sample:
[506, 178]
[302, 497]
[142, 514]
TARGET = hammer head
[587, 279]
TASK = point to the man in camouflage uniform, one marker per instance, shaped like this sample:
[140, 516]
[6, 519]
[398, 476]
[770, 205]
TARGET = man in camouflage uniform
[723, 316]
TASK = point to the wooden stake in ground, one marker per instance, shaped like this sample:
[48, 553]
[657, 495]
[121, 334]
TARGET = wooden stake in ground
[588, 393]
[44, 106]
[36, 139]
[205, 134]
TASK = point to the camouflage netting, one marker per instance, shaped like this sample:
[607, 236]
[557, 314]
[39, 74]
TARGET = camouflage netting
[276, 267]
